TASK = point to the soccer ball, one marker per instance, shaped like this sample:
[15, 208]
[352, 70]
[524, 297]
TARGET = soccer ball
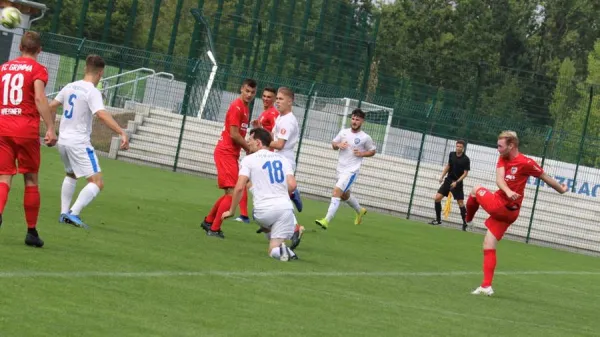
[11, 17]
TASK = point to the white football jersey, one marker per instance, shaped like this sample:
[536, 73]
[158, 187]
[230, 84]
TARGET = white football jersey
[268, 172]
[347, 161]
[286, 127]
[80, 101]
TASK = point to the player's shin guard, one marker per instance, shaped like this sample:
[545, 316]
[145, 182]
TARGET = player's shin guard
[31, 205]
[244, 203]
[87, 194]
[472, 207]
[66, 194]
[4, 189]
[438, 211]
[489, 266]
[333, 207]
[210, 218]
[223, 207]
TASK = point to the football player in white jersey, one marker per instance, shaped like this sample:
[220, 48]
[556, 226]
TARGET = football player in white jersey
[81, 101]
[272, 179]
[354, 144]
[286, 134]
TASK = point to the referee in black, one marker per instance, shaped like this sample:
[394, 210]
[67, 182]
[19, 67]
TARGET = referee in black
[457, 169]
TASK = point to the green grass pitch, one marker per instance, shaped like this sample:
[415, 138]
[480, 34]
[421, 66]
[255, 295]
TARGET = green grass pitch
[147, 269]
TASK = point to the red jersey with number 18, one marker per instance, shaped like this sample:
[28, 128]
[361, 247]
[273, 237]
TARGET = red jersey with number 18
[237, 115]
[19, 116]
[516, 173]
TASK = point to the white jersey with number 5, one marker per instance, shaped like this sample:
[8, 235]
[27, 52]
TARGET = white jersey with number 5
[286, 127]
[80, 101]
[268, 173]
[347, 161]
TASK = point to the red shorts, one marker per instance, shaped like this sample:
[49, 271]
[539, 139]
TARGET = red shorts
[24, 151]
[228, 169]
[500, 217]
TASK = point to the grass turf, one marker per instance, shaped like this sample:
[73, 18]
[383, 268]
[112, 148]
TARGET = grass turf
[147, 269]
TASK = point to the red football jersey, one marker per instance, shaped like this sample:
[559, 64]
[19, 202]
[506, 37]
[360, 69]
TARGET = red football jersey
[516, 173]
[237, 115]
[19, 116]
[268, 117]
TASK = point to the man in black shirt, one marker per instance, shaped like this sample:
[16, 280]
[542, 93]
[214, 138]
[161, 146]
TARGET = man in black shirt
[458, 168]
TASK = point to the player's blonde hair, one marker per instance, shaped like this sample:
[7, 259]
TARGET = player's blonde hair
[286, 91]
[510, 137]
[31, 43]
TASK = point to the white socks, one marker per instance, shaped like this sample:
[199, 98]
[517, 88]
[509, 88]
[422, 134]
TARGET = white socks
[353, 203]
[277, 255]
[333, 207]
[87, 194]
[66, 194]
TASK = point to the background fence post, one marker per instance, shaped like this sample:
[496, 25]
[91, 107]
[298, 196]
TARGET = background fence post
[537, 185]
[56, 17]
[414, 184]
[82, 16]
[109, 11]
[306, 113]
[583, 135]
[75, 68]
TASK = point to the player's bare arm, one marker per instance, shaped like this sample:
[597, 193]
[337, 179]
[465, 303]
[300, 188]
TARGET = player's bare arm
[554, 184]
[41, 103]
[53, 106]
[503, 186]
[339, 145]
[277, 144]
[237, 196]
[461, 178]
[365, 154]
[291, 183]
[108, 119]
[237, 138]
[444, 172]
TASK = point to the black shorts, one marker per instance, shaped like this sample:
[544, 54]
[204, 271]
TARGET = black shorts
[458, 193]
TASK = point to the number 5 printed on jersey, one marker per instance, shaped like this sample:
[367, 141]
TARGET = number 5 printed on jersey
[69, 113]
[275, 169]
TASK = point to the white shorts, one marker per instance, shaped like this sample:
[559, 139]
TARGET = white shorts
[345, 181]
[281, 222]
[79, 160]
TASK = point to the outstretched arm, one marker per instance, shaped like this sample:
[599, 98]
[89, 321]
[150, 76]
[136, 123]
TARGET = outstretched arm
[554, 184]
[107, 119]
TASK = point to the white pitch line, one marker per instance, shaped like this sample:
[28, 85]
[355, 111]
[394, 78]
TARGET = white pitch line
[165, 273]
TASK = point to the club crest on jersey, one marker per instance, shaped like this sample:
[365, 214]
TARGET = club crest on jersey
[283, 131]
[513, 170]
[356, 141]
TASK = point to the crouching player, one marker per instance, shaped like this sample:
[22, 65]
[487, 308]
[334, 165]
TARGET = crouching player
[272, 180]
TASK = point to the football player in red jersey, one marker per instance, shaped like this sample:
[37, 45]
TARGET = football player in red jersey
[266, 120]
[512, 172]
[227, 154]
[22, 102]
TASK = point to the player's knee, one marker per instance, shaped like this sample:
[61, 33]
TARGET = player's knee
[345, 196]
[474, 190]
[97, 180]
[31, 179]
[438, 197]
[337, 192]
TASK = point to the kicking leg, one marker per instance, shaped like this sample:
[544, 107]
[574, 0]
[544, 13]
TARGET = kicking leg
[333, 207]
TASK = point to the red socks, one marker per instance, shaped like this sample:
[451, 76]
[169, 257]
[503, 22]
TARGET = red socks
[4, 189]
[210, 218]
[31, 204]
[489, 266]
[223, 207]
[472, 207]
[244, 203]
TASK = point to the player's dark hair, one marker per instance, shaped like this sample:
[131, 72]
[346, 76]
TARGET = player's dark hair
[249, 82]
[261, 134]
[271, 89]
[461, 142]
[94, 63]
[286, 91]
[358, 113]
[31, 42]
